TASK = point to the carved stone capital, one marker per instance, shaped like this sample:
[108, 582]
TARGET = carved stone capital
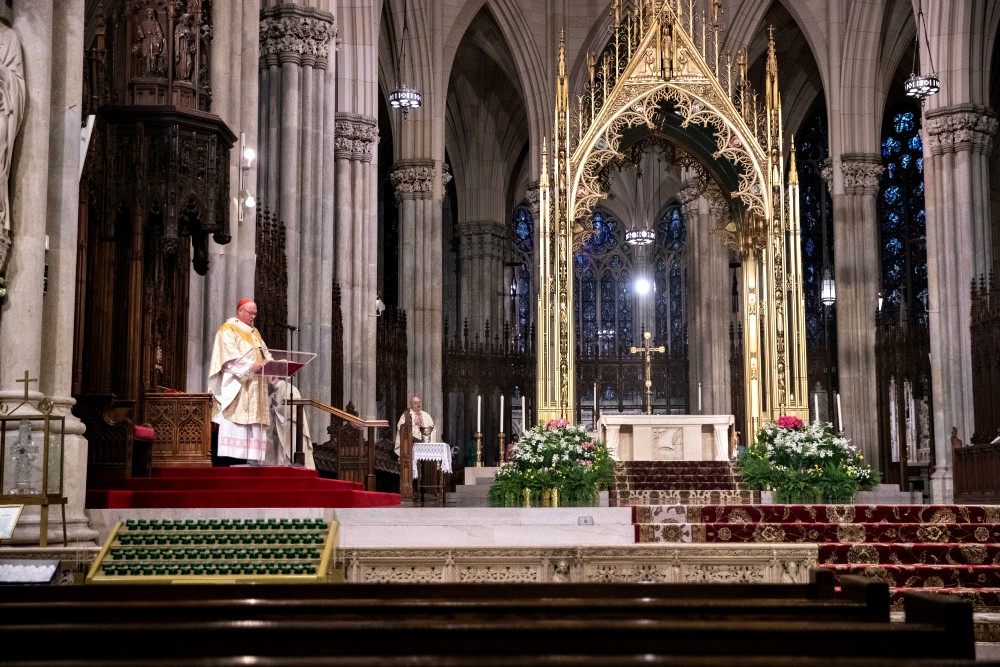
[445, 176]
[293, 34]
[413, 180]
[826, 172]
[861, 172]
[533, 196]
[4, 247]
[688, 195]
[355, 137]
[964, 127]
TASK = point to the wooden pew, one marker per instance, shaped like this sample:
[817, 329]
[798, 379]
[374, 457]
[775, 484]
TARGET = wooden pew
[459, 624]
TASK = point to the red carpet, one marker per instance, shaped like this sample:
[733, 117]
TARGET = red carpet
[941, 548]
[251, 486]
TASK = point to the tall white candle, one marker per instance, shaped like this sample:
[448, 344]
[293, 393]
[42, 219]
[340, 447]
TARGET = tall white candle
[816, 406]
[699, 397]
[501, 413]
[840, 416]
[524, 415]
[594, 414]
[479, 414]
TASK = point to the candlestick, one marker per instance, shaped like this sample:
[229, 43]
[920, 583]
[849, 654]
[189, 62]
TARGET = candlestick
[479, 414]
[503, 446]
[840, 416]
[816, 406]
[595, 407]
[699, 397]
[524, 416]
[479, 449]
[501, 413]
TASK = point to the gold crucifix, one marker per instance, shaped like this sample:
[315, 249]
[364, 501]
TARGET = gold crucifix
[27, 382]
[649, 374]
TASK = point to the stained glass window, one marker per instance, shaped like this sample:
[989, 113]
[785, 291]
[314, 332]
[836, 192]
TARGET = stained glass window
[523, 228]
[603, 300]
[816, 209]
[901, 214]
[669, 277]
[522, 231]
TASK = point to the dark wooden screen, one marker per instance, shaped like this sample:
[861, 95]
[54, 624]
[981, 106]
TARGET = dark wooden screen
[390, 355]
[986, 360]
[737, 387]
[271, 279]
[494, 364]
[901, 355]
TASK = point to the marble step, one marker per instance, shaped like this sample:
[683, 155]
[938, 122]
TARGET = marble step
[486, 527]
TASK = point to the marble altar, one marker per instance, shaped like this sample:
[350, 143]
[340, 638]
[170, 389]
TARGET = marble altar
[667, 437]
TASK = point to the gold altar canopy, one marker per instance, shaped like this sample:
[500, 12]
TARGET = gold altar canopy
[663, 66]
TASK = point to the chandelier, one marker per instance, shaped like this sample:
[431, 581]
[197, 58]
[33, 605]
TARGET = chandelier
[921, 86]
[640, 236]
[403, 97]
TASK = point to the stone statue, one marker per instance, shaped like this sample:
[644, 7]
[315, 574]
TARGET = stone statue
[148, 45]
[12, 100]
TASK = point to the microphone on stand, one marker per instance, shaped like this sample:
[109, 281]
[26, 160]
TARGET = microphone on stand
[291, 327]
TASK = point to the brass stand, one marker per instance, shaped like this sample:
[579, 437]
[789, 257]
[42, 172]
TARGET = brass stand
[479, 449]
[503, 446]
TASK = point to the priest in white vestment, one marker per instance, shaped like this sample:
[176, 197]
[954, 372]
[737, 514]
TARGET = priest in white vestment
[419, 419]
[240, 405]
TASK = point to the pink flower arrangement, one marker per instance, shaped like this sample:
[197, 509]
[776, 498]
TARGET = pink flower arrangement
[790, 423]
[556, 423]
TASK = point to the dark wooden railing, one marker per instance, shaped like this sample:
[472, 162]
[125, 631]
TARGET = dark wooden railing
[977, 474]
[352, 438]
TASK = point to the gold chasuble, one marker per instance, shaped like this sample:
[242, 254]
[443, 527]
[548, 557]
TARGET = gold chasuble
[241, 402]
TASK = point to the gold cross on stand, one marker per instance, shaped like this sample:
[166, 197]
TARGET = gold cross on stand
[649, 374]
[27, 382]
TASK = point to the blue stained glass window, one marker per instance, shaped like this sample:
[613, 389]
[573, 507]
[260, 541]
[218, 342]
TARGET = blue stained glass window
[624, 311]
[605, 236]
[901, 212]
[816, 208]
[891, 145]
[676, 306]
[523, 228]
[671, 286]
[903, 122]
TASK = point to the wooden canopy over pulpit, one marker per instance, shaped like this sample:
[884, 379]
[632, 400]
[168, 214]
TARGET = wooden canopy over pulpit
[154, 189]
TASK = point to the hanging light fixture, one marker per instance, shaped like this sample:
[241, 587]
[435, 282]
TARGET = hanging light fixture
[921, 86]
[642, 235]
[827, 289]
[404, 97]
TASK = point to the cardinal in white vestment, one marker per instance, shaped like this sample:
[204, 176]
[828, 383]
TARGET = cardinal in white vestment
[240, 405]
[419, 419]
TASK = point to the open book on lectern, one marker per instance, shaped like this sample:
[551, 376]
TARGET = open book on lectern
[280, 364]
[285, 363]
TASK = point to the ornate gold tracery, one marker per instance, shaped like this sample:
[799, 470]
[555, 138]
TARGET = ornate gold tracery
[653, 66]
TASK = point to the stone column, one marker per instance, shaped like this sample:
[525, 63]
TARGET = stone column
[483, 293]
[296, 79]
[44, 187]
[856, 272]
[708, 302]
[420, 275]
[956, 177]
[357, 239]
